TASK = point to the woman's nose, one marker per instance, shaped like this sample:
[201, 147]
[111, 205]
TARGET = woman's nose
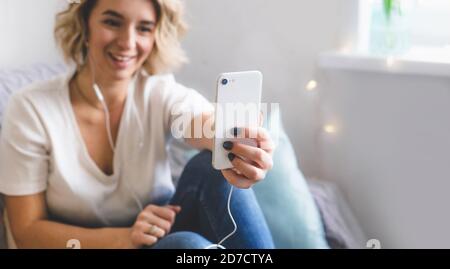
[127, 39]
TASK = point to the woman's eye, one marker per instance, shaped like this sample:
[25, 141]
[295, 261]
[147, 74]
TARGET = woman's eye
[145, 29]
[111, 23]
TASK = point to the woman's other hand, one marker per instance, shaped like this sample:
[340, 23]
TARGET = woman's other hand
[153, 223]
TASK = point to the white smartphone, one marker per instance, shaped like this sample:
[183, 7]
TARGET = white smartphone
[238, 101]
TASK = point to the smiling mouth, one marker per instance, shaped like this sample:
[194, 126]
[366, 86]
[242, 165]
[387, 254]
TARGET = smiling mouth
[121, 58]
[121, 61]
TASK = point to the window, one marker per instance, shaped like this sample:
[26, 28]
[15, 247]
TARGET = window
[415, 28]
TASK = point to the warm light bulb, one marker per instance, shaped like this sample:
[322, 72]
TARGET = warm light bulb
[390, 61]
[311, 86]
[346, 48]
[329, 128]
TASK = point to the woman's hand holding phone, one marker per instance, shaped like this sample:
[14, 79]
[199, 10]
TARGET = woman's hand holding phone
[242, 149]
[250, 164]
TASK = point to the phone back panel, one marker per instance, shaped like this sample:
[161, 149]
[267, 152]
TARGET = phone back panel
[237, 105]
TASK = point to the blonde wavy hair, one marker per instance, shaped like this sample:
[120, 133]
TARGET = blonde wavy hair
[71, 32]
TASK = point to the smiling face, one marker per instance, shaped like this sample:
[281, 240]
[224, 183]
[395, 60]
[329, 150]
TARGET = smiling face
[121, 37]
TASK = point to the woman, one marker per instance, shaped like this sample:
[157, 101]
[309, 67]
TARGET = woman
[68, 175]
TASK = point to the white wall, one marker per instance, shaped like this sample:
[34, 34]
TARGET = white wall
[391, 154]
[280, 38]
[26, 31]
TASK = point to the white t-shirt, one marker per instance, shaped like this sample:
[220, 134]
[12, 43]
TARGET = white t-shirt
[41, 149]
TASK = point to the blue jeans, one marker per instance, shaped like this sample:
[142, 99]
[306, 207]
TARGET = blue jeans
[202, 193]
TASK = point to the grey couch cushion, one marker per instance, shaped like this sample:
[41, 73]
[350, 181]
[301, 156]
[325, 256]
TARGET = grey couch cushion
[342, 229]
[13, 80]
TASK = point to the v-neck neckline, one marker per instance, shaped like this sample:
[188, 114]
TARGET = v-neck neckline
[74, 123]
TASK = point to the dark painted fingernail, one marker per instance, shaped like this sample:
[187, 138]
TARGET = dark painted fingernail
[231, 156]
[236, 131]
[228, 145]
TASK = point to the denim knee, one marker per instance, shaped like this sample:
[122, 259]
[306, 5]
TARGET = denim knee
[201, 162]
[182, 240]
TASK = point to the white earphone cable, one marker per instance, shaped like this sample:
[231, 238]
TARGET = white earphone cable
[107, 116]
[101, 99]
[219, 245]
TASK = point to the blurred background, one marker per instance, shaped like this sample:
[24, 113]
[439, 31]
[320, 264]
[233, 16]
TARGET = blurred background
[363, 86]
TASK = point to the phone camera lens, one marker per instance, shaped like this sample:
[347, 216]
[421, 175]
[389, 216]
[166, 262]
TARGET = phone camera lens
[224, 81]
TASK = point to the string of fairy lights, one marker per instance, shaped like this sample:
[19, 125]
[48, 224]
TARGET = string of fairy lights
[312, 86]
